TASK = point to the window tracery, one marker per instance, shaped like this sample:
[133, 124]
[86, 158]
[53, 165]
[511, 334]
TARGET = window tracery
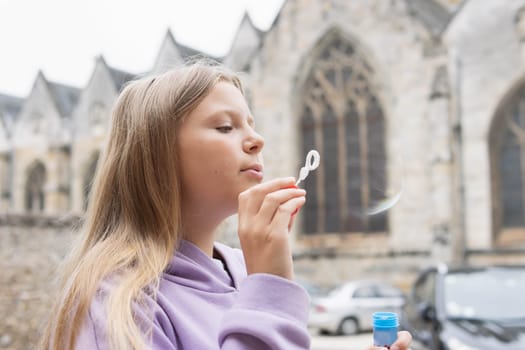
[34, 189]
[508, 151]
[342, 118]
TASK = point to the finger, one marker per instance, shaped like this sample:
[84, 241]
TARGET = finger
[251, 199]
[292, 217]
[290, 223]
[403, 341]
[273, 200]
[275, 184]
[292, 220]
[404, 337]
[283, 214]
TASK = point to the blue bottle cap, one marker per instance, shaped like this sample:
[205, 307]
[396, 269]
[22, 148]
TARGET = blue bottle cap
[385, 320]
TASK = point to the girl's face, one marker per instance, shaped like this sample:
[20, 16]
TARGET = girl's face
[219, 150]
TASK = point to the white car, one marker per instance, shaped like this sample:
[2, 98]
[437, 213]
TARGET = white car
[348, 308]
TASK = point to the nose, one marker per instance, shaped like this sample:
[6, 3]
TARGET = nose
[253, 143]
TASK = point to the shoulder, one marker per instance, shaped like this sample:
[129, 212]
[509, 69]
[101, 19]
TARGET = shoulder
[147, 314]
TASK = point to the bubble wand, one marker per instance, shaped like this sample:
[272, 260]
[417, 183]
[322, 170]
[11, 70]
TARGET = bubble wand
[312, 162]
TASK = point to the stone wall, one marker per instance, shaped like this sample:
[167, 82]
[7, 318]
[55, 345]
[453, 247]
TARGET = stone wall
[30, 250]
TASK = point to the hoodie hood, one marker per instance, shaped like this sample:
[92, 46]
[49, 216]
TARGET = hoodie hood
[192, 268]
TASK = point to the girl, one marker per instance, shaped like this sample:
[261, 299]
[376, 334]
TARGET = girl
[182, 156]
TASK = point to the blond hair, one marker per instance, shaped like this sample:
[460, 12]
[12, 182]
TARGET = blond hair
[133, 219]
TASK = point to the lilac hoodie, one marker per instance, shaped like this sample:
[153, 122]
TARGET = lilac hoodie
[200, 307]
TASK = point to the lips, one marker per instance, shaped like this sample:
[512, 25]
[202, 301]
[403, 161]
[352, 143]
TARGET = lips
[254, 167]
[254, 170]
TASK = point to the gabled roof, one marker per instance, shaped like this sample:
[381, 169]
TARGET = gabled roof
[186, 51]
[452, 5]
[432, 14]
[276, 19]
[10, 104]
[248, 20]
[246, 42]
[118, 76]
[65, 97]
[9, 108]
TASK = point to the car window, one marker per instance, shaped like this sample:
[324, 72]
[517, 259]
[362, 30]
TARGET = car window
[493, 294]
[424, 290]
[336, 291]
[389, 292]
[365, 292]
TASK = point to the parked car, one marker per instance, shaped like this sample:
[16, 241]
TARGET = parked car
[467, 308]
[348, 308]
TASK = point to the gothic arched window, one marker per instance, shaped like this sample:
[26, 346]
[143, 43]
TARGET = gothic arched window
[342, 118]
[63, 168]
[34, 189]
[508, 170]
[5, 175]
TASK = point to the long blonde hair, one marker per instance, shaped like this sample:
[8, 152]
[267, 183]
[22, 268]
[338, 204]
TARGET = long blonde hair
[133, 219]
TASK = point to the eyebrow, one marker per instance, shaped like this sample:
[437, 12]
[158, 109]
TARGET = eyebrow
[234, 113]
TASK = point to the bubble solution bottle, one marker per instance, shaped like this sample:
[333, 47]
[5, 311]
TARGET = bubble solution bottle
[385, 328]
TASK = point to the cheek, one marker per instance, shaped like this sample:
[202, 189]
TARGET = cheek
[208, 163]
[208, 169]
[217, 159]
[222, 165]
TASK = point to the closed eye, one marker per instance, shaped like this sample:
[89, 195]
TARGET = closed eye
[224, 129]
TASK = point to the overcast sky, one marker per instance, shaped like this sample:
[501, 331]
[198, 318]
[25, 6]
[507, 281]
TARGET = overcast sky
[63, 37]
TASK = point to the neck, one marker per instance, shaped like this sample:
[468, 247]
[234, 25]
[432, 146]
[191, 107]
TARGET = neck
[200, 229]
[201, 219]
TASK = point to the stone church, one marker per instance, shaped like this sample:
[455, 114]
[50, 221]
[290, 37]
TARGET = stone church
[416, 105]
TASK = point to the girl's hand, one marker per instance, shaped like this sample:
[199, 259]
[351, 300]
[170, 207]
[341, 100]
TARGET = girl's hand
[266, 214]
[402, 343]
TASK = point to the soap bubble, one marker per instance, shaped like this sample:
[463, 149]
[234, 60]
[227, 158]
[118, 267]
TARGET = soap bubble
[383, 187]
[373, 186]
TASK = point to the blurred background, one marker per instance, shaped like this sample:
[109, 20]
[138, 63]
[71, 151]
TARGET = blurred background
[417, 108]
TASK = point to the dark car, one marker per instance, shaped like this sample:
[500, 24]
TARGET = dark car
[467, 308]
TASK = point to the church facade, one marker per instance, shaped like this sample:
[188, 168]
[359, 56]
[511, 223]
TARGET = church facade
[417, 108]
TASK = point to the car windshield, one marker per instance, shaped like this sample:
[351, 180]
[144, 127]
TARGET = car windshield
[491, 294]
[335, 290]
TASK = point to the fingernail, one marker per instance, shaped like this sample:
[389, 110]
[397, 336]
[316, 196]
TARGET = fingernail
[394, 347]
